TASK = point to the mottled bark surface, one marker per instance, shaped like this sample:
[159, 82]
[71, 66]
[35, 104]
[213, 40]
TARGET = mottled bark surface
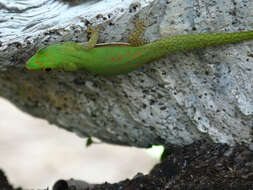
[176, 100]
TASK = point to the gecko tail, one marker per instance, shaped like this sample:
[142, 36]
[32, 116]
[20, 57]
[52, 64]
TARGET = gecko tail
[186, 42]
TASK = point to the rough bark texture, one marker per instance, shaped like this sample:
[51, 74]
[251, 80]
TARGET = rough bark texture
[176, 100]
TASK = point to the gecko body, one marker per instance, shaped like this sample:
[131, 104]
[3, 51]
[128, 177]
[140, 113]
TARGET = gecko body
[119, 58]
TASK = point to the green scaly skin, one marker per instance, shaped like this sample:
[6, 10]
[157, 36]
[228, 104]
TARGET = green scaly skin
[119, 58]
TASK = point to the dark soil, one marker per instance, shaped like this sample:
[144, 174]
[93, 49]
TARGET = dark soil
[199, 166]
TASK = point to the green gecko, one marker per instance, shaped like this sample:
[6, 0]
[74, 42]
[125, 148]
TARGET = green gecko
[119, 58]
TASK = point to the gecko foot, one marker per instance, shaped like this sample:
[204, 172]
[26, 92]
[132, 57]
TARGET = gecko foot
[94, 37]
[135, 38]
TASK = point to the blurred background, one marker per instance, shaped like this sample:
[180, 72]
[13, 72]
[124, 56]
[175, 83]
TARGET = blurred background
[34, 154]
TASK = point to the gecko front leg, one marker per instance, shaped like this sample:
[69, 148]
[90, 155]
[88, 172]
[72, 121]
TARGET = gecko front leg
[94, 37]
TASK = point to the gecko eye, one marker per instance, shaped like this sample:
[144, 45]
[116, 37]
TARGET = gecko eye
[48, 69]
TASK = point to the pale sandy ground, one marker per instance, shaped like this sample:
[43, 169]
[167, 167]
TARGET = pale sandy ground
[34, 154]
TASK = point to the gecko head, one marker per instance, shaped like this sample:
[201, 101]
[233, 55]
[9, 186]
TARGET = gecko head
[42, 60]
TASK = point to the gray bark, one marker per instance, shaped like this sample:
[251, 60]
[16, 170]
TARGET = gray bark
[179, 99]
